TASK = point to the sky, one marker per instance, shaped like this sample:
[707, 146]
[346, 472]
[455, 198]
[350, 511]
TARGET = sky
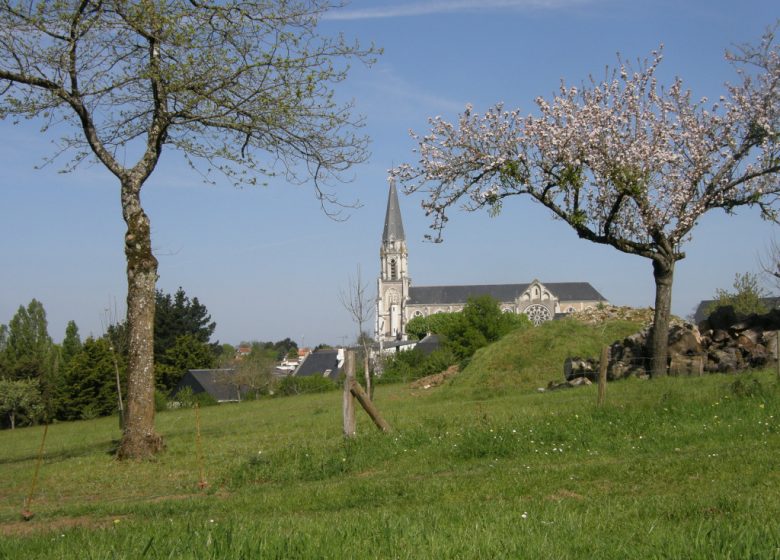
[269, 264]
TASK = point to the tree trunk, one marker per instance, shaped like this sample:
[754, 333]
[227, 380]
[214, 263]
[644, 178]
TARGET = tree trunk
[367, 372]
[139, 439]
[663, 273]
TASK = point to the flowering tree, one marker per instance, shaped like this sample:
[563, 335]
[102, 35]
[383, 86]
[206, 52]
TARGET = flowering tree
[624, 162]
[243, 87]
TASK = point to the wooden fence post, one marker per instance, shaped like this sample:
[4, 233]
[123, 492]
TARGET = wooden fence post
[603, 363]
[348, 404]
[777, 352]
[368, 406]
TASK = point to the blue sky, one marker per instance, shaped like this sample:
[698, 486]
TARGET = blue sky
[269, 264]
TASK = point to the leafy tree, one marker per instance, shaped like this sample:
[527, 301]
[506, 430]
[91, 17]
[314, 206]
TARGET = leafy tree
[91, 381]
[226, 83]
[20, 401]
[28, 343]
[30, 354]
[624, 162]
[480, 323]
[255, 372]
[285, 347]
[746, 297]
[188, 352]
[438, 323]
[485, 315]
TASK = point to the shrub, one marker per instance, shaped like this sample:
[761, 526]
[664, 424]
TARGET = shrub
[294, 385]
[413, 364]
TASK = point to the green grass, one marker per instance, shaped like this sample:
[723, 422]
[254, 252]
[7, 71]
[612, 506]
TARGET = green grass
[529, 358]
[669, 468]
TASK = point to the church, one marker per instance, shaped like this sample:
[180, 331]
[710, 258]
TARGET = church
[398, 301]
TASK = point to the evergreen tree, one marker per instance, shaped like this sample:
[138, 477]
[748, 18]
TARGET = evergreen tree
[4, 370]
[91, 381]
[71, 344]
[176, 316]
[187, 353]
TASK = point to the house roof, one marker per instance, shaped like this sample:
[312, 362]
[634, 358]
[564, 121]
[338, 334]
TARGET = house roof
[394, 226]
[564, 291]
[428, 344]
[212, 381]
[318, 362]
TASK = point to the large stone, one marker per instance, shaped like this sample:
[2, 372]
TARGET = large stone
[580, 367]
[685, 340]
[686, 365]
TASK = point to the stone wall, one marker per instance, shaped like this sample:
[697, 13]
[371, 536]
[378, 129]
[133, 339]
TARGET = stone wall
[725, 342]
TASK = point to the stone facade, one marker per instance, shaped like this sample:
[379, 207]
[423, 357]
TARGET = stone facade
[398, 301]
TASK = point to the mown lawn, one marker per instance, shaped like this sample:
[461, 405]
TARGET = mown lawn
[670, 468]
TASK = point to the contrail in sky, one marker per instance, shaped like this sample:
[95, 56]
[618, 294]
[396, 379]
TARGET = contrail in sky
[444, 6]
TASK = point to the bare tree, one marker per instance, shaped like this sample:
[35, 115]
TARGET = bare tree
[359, 305]
[770, 262]
[240, 87]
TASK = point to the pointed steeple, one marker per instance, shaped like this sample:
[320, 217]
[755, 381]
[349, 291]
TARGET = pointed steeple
[394, 227]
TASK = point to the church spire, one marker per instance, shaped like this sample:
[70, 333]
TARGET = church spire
[394, 226]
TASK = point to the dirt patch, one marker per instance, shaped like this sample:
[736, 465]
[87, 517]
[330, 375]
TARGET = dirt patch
[436, 379]
[564, 494]
[43, 525]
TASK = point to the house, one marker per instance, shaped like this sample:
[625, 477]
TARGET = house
[219, 384]
[326, 363]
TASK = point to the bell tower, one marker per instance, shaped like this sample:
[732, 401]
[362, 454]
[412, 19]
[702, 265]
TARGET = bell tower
[393, 283]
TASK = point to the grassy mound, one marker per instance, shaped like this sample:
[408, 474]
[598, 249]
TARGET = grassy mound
[530, 358]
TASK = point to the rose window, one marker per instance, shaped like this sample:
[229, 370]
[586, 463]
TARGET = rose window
[538, 314]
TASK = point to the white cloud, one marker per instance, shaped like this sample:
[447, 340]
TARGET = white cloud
[444, 6]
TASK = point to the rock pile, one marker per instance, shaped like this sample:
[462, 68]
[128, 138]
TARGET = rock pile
[603, 313]
[725, 342]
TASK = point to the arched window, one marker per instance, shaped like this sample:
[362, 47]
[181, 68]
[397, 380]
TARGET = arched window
[418, 313]
[393, 270]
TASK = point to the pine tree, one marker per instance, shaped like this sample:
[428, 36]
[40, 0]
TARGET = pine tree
[90, 381]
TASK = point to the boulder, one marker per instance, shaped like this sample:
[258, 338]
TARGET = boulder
[574, 368]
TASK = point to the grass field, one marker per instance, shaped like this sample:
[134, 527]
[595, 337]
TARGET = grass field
[669, 468]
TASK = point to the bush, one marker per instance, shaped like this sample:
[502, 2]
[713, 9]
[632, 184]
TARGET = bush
[293, 385]
[187, 399]
[413, 364]
[161, 400]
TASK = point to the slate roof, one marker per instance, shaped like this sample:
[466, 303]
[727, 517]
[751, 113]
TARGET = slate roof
[444, 295]
[318, 362]
[211, 381]
[394, 226]
[429, 344]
